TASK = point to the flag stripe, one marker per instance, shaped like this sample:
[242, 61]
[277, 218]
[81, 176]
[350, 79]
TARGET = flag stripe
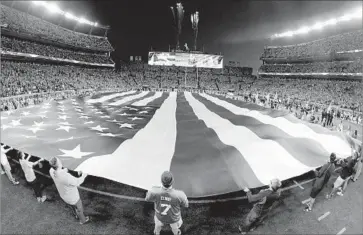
[129, 98]
[202, 165]
[141, 160]
[147, 100]
[307, 151]
[297, 130]
[266, 157]
[108, 97]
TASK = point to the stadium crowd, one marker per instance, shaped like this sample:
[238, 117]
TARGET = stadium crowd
[24, 46]
[338, 43]
[22, 22]
[316, 67]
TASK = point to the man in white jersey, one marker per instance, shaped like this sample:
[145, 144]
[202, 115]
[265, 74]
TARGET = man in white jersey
[5, 163]
[167, 203]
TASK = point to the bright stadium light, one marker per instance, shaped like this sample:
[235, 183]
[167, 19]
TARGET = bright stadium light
[42, 3]
[54, 8]
[358, 14]
[331, 22]
[288, 34]
[82, 20]
[345, 18]
[318, 26]
[303, 30]
[70, 16]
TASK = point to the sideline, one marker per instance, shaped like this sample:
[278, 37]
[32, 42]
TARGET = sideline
[207, 201]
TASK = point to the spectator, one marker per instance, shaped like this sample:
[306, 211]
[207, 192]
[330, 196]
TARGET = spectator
[6, 165]
[358, 165]
[30, 177]
[322, 178]
[264, 201]
[67, 187]
[167, 203]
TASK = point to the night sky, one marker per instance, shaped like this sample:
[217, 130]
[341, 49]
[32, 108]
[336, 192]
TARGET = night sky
[238, 29]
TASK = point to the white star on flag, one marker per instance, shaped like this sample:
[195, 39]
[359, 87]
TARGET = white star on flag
[114, 120]
[123, 114]
[3, 118]
[66, 128]
[143, 112]
[135, 118]
[98, 112]
[130, 108]
[64, 117]
[89, 122]
[128, 125]
[105, 116]
[70, 138]
[65, 124]
[75, 153]
[84, 117]
[16, 122]
[25, 113]
[4, 127]
[109, 134]
[38, 123]
[30, 136]
[35, 129]
[98, 128]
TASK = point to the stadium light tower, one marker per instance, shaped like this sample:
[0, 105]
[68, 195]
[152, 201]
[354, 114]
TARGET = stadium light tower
[195, 20]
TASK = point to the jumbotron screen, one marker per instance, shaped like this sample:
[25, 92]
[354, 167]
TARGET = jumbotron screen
[185, 59]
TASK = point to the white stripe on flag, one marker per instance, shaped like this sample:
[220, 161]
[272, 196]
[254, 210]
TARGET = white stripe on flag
[108, 97]
[330, 142]
[266, 157]
[145, 101]
[140, 161]
[129, 98]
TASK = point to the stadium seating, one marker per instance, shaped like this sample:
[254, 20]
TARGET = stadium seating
[24, 23]
[339, 43]
[18, 45]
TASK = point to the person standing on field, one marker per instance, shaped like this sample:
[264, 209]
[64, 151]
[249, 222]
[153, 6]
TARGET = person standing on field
[167, 204]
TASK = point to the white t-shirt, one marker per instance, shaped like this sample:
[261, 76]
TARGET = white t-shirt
[4, 159]
[28, 170]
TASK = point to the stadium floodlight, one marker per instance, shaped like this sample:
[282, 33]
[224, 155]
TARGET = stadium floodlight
[288, 34]
[303, 30]
[331, 22]
[42, 3]
[82, 20]
[95, 24]
[54, 8]
[346, 17]
[358, 14]
[70, 16]
[318, 25]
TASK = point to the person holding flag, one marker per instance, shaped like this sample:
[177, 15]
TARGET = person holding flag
[5, 163]
[167, 203]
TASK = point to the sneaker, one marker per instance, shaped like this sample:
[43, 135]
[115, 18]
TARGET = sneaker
[38, 199]
[43, 199]
[240, 230]
[328, 196]
[340, 194]
[85, 222]
[15, 182]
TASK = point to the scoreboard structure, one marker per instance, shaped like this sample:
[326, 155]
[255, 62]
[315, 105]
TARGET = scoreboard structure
[185, 59]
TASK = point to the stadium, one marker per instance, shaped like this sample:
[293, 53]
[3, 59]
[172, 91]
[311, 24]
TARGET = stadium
[119, 118]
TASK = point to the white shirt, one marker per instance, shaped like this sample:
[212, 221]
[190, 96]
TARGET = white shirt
[4, 159]
[28, 170]
[67, 185]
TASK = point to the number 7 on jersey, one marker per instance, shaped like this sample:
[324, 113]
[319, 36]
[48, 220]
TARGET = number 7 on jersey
[167, 208]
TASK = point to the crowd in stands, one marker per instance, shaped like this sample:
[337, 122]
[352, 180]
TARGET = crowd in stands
[338, 43]
[316, 67]
[24, 46]
[22, 22]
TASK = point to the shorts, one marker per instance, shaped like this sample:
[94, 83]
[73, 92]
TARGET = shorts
[174, 226]
[338, 182]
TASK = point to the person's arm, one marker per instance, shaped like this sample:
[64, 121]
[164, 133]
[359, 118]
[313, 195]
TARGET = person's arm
[74, 181]
[184, 200]
[7, 150]
[149, 196]
[257, 197]
[37, 162]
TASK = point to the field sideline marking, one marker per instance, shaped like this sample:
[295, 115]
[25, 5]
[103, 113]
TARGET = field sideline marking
[190, 202]
[341, 231]
[323, 216]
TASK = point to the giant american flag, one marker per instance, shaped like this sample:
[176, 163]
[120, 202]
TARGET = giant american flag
[212, 144]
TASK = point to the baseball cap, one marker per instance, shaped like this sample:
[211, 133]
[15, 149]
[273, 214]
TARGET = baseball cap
[333, 157]
[167, 179]
[54, 162]
[275, 183]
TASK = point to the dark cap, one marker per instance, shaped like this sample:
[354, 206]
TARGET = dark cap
[167, 179]
[333, 157]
